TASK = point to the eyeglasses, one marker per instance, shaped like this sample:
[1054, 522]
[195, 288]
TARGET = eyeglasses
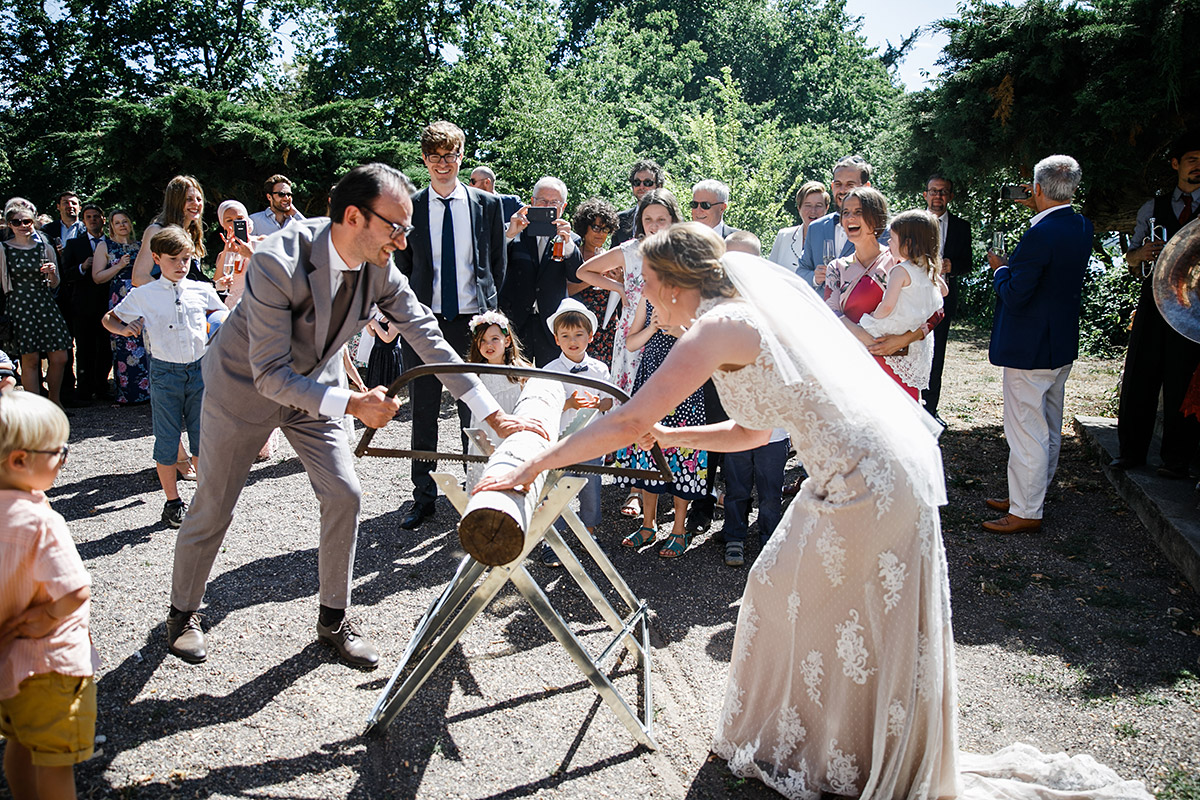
[13, 223]
[448, 158]
[61, 452]
[704, 204]
[546, 202]
[282, 194]
[649, 183]
[397, 228]
[939, 192]
[600, 227]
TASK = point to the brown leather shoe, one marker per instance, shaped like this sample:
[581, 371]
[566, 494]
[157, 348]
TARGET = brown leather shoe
[353, 648]
[997, 503]
[1011, 523]
[185, 639]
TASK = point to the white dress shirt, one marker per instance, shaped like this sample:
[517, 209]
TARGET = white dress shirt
[592, 368]
[464, 251]
[943, 226]
[335, 399]
[176, 317]
[1041, 215]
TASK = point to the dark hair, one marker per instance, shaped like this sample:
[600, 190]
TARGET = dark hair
[855, 162]
[65, 194]
[649, 165]
[1185, 143]
[572, 319]
[362, 185]
[269, 184]
[655, 197]
[688, 256]
[92, 207]
[591, 209]
[171, 241]
[874, 207]
[514, 355]
[442, 135]
[937, 176]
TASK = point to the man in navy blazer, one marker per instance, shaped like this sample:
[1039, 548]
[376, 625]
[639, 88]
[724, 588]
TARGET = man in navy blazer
[456, 270]
[1035, 337]
[534, 283]
[849, 172]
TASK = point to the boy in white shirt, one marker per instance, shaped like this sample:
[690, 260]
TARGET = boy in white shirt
[172, 313]
[573, 325]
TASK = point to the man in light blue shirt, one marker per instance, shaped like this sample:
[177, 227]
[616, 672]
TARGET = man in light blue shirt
[279, 211]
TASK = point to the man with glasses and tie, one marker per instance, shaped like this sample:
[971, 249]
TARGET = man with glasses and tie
[643, 177]
[279, 211]
[536, 282]
[455, 261]
[276, 363]
[1159, 357]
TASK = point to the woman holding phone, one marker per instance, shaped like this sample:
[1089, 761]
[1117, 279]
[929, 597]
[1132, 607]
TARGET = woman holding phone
[236, 227]
[131, 363]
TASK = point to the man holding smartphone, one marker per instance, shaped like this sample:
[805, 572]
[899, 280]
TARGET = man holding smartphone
[455, 262]
[536, 280]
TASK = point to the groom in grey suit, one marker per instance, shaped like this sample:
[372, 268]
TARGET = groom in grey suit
[276, 363]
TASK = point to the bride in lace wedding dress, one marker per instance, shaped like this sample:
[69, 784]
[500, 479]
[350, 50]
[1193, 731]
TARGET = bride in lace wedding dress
[842, 678]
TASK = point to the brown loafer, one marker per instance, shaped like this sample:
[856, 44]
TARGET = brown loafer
[997, 503]
[1011, 523]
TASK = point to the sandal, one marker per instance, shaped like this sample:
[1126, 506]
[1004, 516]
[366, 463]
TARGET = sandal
[677, 544]
[632, 506]
[638, 539]
[184, 468]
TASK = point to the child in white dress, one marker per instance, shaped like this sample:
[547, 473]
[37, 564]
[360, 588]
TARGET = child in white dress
[493, 341]
[914, 292]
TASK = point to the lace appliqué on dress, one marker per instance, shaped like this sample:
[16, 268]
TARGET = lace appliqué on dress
[892, 572]
[842, 771]
[851, 649]
[813, 670]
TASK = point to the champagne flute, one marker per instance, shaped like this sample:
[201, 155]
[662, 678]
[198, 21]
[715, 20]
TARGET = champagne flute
[998, 243]
[830, 252]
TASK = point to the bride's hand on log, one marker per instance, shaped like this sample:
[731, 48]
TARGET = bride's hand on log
[519, 480]
[507, 424]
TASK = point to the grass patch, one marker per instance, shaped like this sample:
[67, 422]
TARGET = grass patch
[1180, 785]
[1125, 730]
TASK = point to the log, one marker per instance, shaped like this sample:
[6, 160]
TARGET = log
[495, 525]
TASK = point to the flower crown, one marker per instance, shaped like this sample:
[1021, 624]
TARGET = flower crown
[487, 319]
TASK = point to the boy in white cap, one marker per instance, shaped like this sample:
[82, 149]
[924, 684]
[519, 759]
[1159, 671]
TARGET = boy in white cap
[573, 325]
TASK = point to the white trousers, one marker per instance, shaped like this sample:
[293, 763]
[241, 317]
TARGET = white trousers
[1033, 415]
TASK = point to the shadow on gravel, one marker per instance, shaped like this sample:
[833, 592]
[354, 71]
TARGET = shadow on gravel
[1090, 589]
[88, 497]
[117, 541]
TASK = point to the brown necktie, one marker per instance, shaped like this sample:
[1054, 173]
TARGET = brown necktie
[1186, 214]
[341, 305]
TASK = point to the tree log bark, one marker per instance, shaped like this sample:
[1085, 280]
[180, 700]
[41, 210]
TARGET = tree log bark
[494, 527]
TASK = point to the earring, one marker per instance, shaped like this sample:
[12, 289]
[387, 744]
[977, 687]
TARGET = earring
[674, 300]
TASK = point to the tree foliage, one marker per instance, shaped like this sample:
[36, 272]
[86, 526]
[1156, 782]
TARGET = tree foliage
[1110, 82]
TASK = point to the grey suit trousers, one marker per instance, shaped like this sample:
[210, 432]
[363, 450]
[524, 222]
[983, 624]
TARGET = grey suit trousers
[225, 461]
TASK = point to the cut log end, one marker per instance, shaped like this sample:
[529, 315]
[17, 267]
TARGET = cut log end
[491, 536]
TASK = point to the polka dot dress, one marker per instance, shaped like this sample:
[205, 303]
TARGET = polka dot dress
[689, 467]
[37, 325]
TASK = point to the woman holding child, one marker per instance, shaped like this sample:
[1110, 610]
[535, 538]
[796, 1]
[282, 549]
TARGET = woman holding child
[842, 677]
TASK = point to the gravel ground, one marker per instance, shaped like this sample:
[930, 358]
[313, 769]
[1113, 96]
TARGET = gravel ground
[1081, 639]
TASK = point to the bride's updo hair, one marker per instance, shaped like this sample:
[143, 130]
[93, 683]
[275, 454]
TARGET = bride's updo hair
[688, 256]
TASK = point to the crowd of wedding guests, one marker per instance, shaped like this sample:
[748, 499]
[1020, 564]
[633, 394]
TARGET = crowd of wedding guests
[474, 250]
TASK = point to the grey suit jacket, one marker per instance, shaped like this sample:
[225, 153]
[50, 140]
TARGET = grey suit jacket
[270, 353]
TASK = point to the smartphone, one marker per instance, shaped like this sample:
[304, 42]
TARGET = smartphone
[541, 221]
[1014, 191]
[240, 230]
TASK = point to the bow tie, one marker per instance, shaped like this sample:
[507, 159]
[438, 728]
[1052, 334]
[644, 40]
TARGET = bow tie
[578, 368]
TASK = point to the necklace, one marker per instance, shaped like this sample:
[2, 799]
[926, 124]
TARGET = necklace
[799, 230]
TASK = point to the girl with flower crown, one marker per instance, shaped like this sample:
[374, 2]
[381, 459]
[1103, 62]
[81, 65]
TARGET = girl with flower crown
[493, 341]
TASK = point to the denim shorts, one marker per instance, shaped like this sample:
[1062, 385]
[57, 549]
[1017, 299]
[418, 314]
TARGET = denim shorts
[175, 394]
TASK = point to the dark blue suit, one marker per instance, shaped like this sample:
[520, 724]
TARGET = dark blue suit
[1038, 294]
[533, 288]
[1035, 337]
